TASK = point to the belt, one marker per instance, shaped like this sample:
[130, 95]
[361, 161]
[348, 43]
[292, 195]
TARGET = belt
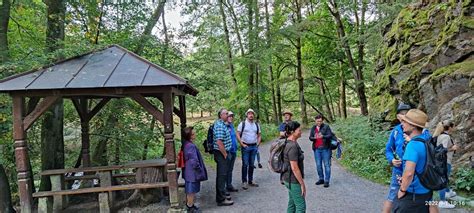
[250, 144]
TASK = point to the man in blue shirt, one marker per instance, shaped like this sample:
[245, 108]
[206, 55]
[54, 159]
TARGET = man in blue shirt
[232, 153]
[287, 114]
[393, 153]
[222, 146]
[412, 195]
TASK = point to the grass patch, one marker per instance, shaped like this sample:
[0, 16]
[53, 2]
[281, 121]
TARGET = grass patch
[364, 149]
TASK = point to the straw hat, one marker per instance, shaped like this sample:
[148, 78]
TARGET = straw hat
[416, 117]
[287, 112]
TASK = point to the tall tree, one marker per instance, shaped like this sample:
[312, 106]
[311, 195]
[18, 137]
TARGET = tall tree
[52, 140]
[270, 66]
[4, 19]
[342, 92]
[149, 26]
[227, 41]
[356, 69]
[299, 66]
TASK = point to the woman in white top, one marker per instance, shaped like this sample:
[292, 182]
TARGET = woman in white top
[443, 132]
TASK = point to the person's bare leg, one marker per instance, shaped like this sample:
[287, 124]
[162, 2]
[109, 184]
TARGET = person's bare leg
[190, 199]
[387, 206]
[434, 209]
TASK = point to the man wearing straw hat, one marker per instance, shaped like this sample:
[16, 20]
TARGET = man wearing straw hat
[412, 195]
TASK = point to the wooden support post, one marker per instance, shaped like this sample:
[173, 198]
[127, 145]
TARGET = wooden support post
[57, 184]
[105, 179]
[182, 114]
[21, 156]
[104, 205]
[168, 105]
[45, 205]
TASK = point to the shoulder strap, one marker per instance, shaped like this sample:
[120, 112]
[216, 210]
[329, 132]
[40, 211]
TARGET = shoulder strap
[258, 127]
[242, 130]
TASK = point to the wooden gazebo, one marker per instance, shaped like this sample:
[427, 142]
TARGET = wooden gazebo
[112, 72]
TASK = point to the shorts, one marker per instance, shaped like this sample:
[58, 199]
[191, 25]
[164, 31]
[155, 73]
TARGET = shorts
[394, 187]
[192, 187]
[412, 203]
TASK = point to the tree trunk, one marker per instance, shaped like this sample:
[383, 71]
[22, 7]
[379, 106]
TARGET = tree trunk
[342, 91]
[99, 158]
[145, 147]
[236, 27]
[52, 139]
[4, 19]
[149, 26]
[5, 195]
[299, 69]
[251, 65]
[227, 41]
[326, 101]
[278, 94]
[270, 68]
[167, 41]
[357, 71]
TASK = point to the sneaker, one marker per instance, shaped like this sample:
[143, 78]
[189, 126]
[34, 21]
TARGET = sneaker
[226, 203]
[445, 205]
[260, 165]
[245, 186]
[450, 194]
[253, 184]
[192, 209]
[232, 189]
[320, 182]
[326, 184]
[228, 197]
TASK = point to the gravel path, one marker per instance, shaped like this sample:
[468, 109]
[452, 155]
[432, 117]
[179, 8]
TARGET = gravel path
[347, 193]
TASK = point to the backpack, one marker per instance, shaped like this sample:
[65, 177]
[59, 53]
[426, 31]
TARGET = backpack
[243, 127]
[276, 162]
[435, 173]
[208, 144]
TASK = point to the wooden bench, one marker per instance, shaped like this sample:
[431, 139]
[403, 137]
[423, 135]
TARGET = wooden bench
[55, 200]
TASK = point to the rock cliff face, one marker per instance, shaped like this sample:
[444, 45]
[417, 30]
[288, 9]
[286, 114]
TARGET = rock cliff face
[427, 60]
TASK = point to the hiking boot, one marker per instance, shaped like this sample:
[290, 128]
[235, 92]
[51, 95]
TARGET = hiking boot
[260, 165]
[227, 196]
[445, 205]
[245, 186]
[232, 189]
[320, 182]
[253, 184]
[326, 184]
[226, 203]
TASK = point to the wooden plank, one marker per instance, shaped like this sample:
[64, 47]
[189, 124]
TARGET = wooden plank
[101, 189]
[57, 184]
[104, 203]
[157, 114]
[45, 205]
[105, 179]
[89, 177]
[38, 111]
[101, 92]
[153, 163]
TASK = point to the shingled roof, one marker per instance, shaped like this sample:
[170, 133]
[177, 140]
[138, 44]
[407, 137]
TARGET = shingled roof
[112, 67]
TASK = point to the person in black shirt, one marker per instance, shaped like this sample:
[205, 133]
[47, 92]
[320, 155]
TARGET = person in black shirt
[293, 177]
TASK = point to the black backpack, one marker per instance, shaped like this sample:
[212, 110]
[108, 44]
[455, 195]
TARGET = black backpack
[208, 144]
[243, 127]
[435, 173]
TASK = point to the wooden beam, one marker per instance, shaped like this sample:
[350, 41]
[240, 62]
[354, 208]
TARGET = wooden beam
[101, 189]
[32, 104]
[102, 92]
[98, 107]
[157, 114]
[81, 108]
[38, 111]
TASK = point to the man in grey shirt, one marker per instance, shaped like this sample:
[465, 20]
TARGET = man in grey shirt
[249, 137]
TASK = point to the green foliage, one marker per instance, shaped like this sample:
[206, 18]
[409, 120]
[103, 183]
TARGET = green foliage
[464, 179]
[364, 149]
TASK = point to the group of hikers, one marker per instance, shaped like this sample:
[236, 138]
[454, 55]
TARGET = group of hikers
[405, 151]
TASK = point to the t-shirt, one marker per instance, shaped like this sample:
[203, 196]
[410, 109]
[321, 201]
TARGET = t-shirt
[292, 152]
[447, 142]
[416, 153]
[282, 127]
[249, 136]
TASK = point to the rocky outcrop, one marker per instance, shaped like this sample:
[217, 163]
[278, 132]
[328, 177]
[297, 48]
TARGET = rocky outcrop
[427, 60]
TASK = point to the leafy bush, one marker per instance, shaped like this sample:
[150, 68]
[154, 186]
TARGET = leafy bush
[464, 179]
[364, 148]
